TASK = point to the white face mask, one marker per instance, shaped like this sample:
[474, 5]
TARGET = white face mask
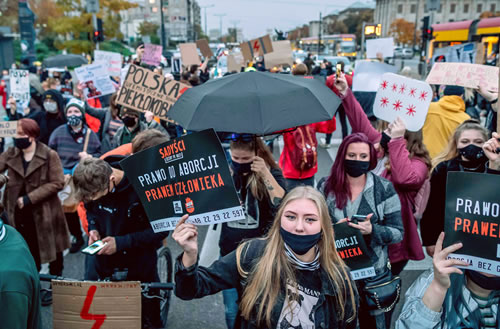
[50, 107]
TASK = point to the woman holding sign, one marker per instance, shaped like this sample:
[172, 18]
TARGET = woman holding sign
[405, 161]
[291, 278]
[468, 150]
[260, 186]
[369, 203]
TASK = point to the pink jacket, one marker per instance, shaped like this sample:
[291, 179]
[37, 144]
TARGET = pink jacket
[407, 174]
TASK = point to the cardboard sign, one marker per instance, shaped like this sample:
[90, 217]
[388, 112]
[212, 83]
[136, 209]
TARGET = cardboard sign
[385, 46]
[20, 87]
[189, 54]
[281, 55]
[188, 175]
[103, 305]
[96, 79]
[152, 54]
[368, 75]
[205, 50]
[351, 247]
[465, 75]
[8, 128]
[111, 61]
[472, 216]
[399, 96]
[233, 64]
[144, 90]
[256, 47]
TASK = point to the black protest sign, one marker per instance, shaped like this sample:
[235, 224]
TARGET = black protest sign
[143, 90]
[472, 216]
[351, 247]
[188, 175]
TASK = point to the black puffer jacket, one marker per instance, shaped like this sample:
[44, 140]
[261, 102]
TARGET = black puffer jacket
[198, 281]
[48, 122]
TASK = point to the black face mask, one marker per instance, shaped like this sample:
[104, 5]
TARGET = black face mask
[473, 153]
[129, 121]
[300, 244]
[241, 168]
[22, 143]
[384, 142]
[356, 168]
[488, 283]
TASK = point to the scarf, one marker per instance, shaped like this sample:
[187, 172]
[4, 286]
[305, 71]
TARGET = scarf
[300, 265]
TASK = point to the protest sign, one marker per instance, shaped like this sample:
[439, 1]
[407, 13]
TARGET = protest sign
[384, 46]
[472, 216]
[256, 47]
[96, 80]
[399, 96]
[281, 55]
[351, 247]
[188, 175]
[463, 53]
[189, 54]
[465, 75]
[104, 305]
[369, 74]
[233, 64]
[223, 65]
[144, 90]
[152, 54]
[205, 50]
[20, 87]
[111, 61]
[8, 128]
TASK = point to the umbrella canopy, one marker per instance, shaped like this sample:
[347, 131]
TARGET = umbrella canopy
[64, 60]
[254, 103]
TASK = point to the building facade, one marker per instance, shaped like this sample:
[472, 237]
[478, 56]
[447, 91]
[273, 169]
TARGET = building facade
[386, 11]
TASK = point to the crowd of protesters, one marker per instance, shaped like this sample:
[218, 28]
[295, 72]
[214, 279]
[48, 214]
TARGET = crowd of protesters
[278, 267]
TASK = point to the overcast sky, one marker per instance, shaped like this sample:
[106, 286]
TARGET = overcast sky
[256, 16]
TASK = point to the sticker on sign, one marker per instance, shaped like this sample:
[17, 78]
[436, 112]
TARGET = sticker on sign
[398, 96]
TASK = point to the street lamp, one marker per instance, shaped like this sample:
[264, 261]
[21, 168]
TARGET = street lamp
[205, 12]
[220, 22]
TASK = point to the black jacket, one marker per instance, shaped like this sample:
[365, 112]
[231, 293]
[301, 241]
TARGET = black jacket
[120, 214]
[49, 122]
[198, 281]
[432, 222]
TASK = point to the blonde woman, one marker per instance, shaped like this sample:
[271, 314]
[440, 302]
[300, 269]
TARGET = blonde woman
[291, 278]
[465, 152]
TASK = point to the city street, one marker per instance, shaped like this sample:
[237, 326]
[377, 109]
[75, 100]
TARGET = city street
[208, 312]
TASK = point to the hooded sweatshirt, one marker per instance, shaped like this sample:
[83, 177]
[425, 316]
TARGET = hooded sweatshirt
[48, 122]
[443, 118]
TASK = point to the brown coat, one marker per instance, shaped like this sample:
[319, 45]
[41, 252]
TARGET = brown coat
[43, 179]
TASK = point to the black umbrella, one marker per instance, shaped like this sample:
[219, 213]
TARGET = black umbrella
[254, 103]
[65, 60]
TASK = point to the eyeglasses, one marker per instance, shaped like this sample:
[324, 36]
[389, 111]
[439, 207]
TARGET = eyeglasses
[241, 137]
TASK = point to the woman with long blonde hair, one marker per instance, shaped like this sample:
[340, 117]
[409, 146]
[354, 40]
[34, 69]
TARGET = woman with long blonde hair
[292, 277]
[463, 153]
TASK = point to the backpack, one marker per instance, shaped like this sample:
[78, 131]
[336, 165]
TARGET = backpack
[305, 154]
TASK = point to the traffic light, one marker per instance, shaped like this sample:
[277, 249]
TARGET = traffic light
[427, 30]
[98, 32]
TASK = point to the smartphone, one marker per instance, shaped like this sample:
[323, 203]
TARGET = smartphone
[94, 247]
[339, 69]
[358, 218]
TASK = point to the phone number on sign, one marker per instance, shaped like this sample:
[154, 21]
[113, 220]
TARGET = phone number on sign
[222, 216]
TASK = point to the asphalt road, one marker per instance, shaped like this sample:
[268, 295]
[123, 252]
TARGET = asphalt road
[208, 312]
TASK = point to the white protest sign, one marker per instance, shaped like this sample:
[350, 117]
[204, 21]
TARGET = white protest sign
[8, 128]
[112, 61]
[152, 54]
[96, 79]
[385, 46]
[20, 87]
[367, 75]
[399, 96]
[465, 75]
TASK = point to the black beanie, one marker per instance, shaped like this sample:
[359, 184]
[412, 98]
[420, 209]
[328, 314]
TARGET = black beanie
[453, 91]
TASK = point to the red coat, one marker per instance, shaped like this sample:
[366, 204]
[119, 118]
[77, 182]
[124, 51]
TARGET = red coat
[3, 94]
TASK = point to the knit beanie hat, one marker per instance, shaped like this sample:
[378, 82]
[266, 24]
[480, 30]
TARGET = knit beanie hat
[74, 102]
[453, 91]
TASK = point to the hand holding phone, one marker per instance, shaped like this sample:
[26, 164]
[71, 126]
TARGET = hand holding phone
[339, 70]
[94, 247]
[358, 218]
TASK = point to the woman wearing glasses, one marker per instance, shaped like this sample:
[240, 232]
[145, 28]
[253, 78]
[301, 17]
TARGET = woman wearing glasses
[260, 186]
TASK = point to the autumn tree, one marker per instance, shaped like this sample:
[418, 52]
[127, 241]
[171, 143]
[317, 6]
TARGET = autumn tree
[489, 14]
[403, 32]
[336, 27]
[354, 22]
[147, 28]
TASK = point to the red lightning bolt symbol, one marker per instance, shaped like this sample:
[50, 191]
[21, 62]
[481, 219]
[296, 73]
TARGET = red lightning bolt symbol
[84, 314]
[256, 45]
